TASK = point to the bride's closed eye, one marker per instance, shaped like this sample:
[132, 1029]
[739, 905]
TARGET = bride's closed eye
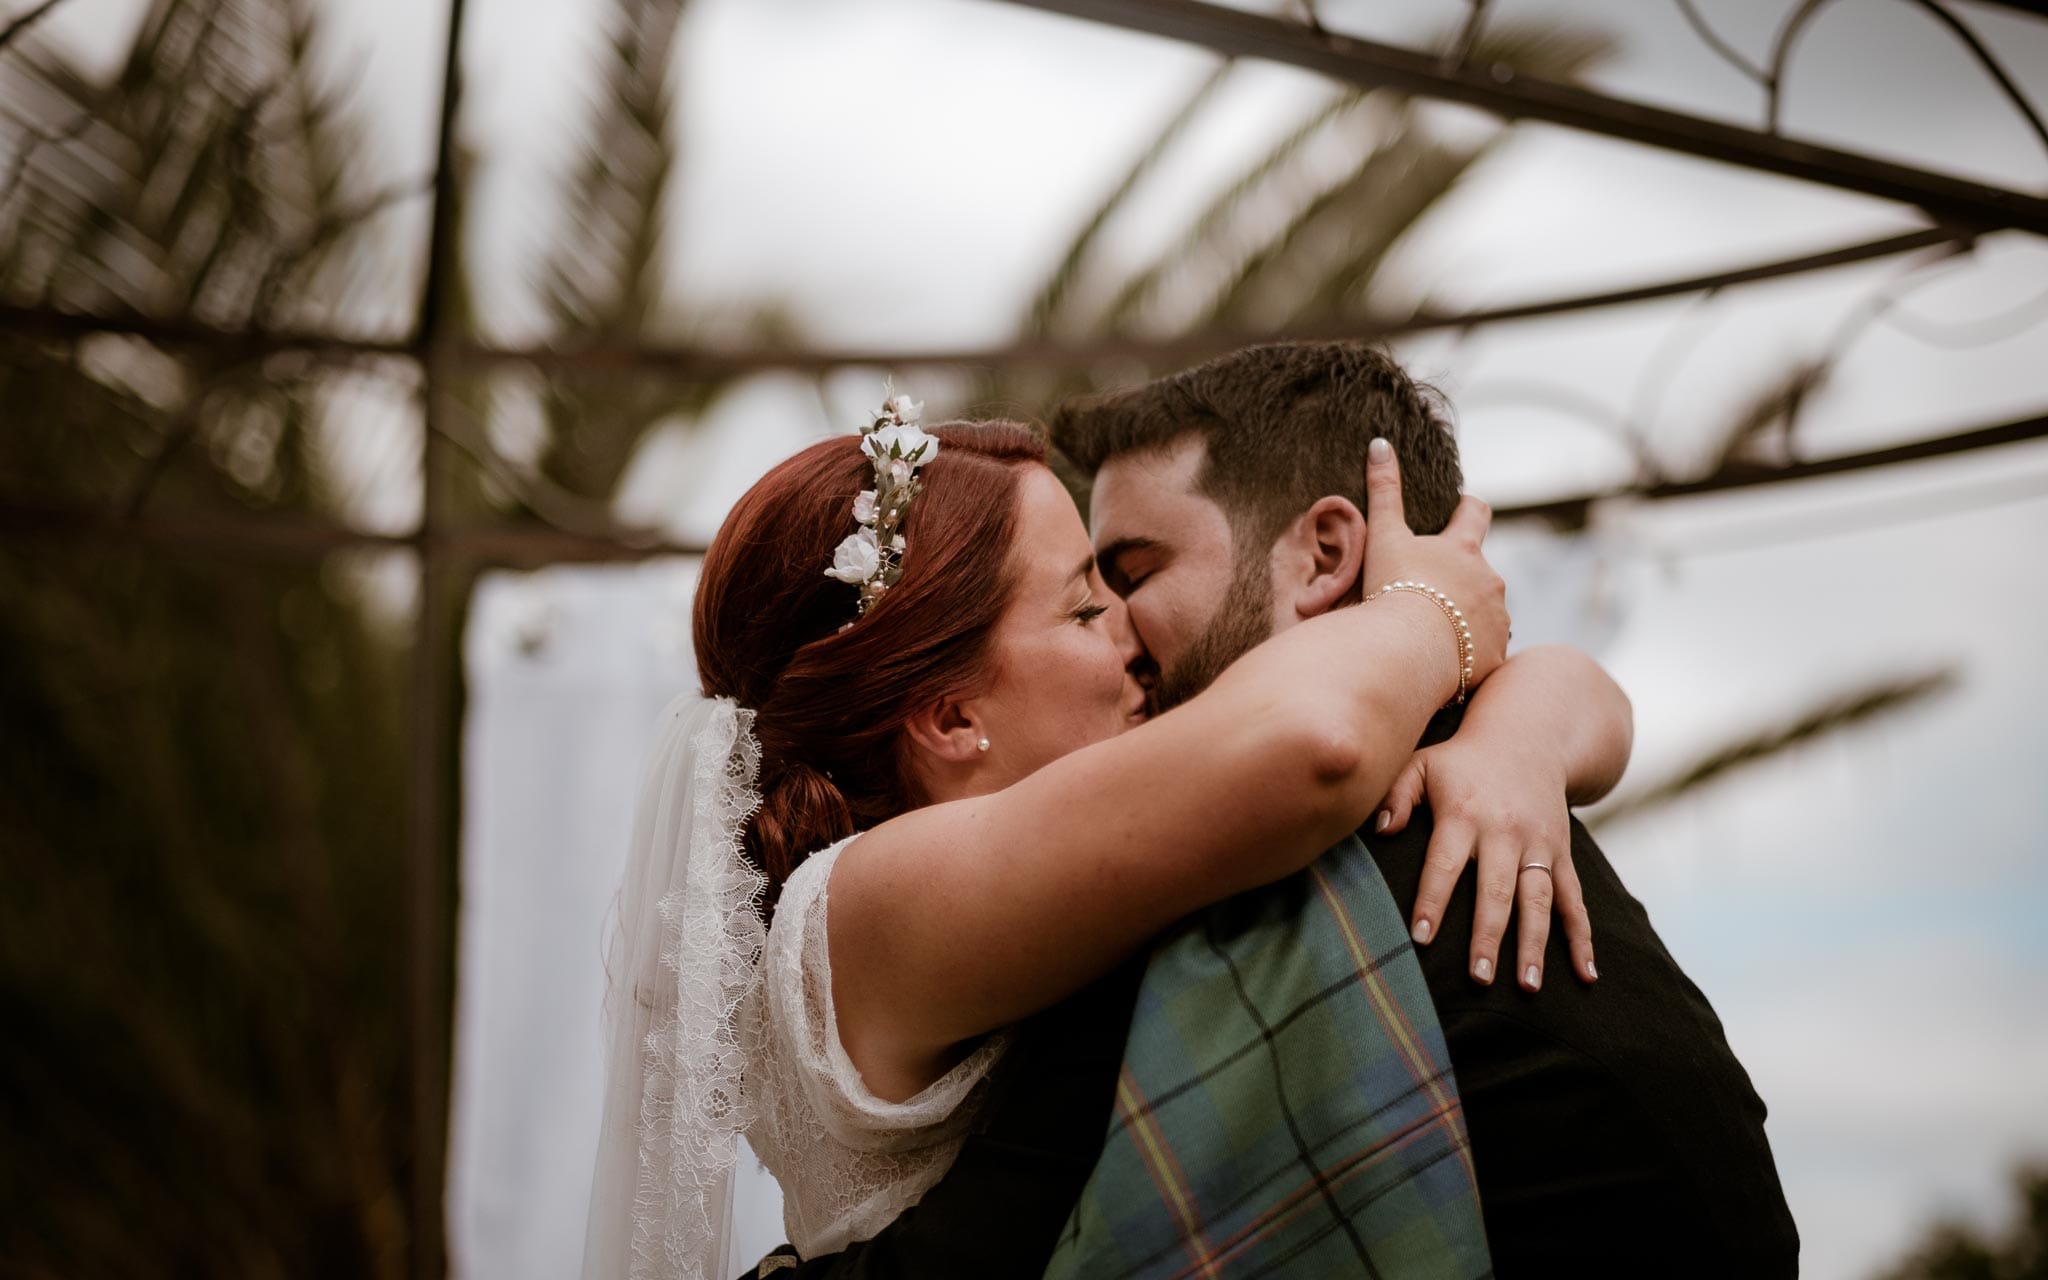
[1088, 613]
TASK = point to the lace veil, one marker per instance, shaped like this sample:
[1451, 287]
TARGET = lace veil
[685, 958]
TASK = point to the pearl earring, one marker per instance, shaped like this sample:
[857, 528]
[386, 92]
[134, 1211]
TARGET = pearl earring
[982, 745]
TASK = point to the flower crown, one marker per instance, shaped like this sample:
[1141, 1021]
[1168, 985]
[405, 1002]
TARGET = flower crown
[871, 557]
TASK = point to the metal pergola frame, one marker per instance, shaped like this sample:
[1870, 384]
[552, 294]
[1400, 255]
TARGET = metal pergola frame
[1958, 211]
[1506, 93]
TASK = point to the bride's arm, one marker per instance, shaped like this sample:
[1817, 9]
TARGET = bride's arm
[955, 919]
[1550, 730]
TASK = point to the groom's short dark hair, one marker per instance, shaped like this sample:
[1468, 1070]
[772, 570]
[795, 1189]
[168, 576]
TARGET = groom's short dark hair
[1285, 423]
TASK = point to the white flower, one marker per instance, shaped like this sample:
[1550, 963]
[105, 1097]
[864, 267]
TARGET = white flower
[897, 544]
[903, 408]
[899, 470]
[880, 442]
[918, 446]
[903, 442]
[856, 559]
[864, 507]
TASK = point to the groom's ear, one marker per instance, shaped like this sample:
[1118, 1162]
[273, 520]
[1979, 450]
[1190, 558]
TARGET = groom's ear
[1329, 555]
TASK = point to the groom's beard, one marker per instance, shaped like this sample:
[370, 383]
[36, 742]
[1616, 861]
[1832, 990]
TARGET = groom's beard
[1241, 622]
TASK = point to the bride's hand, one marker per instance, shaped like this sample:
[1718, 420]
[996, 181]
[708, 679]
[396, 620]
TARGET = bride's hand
[1450, 562]
[1503, 804]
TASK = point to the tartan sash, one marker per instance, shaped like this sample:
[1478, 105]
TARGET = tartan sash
[1286, 1105]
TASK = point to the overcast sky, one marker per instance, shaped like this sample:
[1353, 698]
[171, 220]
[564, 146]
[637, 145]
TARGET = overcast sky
[1865, 914]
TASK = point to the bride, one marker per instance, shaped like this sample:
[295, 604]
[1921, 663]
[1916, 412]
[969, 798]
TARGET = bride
[920, 799]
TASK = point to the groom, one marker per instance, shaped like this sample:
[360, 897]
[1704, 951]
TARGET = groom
[1611, 1129]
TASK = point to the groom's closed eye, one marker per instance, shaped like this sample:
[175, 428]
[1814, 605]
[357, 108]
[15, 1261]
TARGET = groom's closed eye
[1127, 562]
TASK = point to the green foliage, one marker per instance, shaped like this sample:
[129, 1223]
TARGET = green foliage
[1951, 1251]
[203, 799]
[604, 279]
[203, 960]
[199, 964]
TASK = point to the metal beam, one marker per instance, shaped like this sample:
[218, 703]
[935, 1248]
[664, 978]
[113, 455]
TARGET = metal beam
[292, 536]
[1778, 269]
[685, 362]
[527, 547]
[1750, 475]
[2034, 7]
[1504, 92]
[436, 694]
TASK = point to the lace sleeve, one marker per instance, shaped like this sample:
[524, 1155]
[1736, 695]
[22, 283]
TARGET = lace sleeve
[798, 981]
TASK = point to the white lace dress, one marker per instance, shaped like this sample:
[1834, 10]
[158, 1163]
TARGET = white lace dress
[848, 1162]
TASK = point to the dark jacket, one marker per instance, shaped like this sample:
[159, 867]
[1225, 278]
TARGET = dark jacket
[1613, 1130]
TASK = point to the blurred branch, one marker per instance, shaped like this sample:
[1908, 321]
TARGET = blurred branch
[1297, 235]
[1800, 384]
[185, 424]
[1774, 408]
[329, 229]
[565, 511]
[25, 21]
[34, 140]
[607, 280]
[1818, 721]
[1952, 1249]
[1776, 404]
[1045, 308]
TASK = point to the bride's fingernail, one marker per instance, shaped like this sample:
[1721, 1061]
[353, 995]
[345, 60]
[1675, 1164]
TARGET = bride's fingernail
[1379, 450]
[1531, 977]
[1483, 970]
[1591, 972]
[1421, 930]
[1380, 823]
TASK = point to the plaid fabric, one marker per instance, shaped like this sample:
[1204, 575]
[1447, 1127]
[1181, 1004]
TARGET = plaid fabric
[1286, 1106]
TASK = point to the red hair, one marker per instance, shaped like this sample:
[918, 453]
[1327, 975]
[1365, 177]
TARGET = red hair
[830, 701]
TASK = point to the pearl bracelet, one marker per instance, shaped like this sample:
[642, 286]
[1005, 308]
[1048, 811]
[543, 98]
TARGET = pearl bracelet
[1458, 624]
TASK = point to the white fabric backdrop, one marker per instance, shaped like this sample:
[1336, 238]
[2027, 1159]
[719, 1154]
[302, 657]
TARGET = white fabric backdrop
[568, 670]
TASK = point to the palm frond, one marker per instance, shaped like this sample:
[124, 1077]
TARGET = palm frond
[1320, 263]
[1824, 719]
[605, 278]
[1208, 235]
[1769, 411]
[1047, 309]
[1295, 237]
